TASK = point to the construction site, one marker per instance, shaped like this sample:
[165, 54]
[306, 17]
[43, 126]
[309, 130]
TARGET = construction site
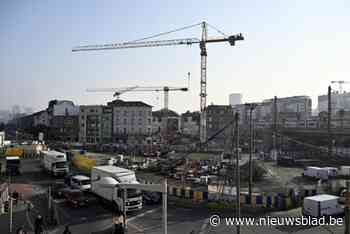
[127, 163]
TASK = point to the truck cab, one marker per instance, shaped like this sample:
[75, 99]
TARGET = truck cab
[55, 162]
[12, 165]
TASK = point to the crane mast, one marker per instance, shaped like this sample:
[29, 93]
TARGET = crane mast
[187, 41]
[203, 84]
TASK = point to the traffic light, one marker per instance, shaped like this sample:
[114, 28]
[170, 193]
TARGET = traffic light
[6, 206]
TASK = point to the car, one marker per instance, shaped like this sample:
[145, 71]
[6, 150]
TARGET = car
[75, 197]
[57, 190]
[80, 182]
[152, 198]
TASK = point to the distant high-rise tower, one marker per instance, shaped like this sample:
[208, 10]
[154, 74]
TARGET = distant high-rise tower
[235, 99]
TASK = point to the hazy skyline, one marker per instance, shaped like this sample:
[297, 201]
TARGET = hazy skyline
[290, 48]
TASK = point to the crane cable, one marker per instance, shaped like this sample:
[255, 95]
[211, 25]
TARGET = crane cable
[218, 30]
[165, 33]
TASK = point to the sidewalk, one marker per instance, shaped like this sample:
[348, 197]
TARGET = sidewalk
[19, 219]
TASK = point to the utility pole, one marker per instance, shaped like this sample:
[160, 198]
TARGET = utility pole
[238, 185]
[11, 214]
[251, 107]
[329, 122]
[274, 133]
[124, 209]
[165, 207]
[10, 197]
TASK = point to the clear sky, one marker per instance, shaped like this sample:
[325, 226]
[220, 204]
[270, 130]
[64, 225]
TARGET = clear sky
[291, 48]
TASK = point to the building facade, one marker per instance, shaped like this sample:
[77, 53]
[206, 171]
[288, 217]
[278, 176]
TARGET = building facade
[218, 116]
[159, 121]
[291, 112]
[41, 118]
[339, 101]
[190, 122]
[130, 119]
[63, 120]
[95, 124]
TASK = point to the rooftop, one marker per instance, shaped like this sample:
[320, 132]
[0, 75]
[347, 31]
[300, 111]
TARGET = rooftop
[322, 197]
[162, 112]
[119, 102]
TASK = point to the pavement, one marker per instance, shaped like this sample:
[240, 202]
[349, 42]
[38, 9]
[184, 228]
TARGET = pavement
[96, 218]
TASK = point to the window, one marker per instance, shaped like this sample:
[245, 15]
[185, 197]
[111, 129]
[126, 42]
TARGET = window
[124, 130]
[125, 113]
[185, 119]
[140, 121]
[82, 110]
[149, 121]
[140, 113]
[125, 121]
[140, 130]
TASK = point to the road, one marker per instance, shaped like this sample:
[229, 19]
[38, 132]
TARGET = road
[97, 217]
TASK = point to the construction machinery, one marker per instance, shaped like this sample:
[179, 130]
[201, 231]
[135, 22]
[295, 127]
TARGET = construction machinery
[144, 42]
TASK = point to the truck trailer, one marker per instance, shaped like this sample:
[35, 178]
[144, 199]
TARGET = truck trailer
[322, 205]
[104, 183]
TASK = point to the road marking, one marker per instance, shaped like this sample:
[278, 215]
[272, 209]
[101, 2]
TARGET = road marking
[29, 221]
[136, 227]
[59, 201]
[143, 214]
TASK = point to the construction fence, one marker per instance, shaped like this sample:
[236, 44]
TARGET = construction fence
[279, 201]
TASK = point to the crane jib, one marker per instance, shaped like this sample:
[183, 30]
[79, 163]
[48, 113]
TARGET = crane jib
[126, 45]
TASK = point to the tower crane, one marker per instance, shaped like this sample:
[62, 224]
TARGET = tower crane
[340, 83]
[118, 91]
[144, 42]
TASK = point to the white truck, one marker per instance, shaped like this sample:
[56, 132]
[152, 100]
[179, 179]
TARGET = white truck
[104, 183]
[54, 162]
[322, 205]
[316, 172]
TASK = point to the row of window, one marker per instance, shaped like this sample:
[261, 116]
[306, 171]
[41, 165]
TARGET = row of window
[133, 113]
[132, 121]
[132, 130]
